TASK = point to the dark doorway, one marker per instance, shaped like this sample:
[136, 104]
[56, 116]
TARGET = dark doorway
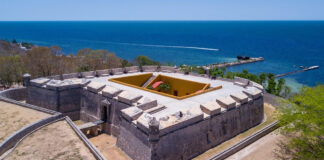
[175, 93]
[104, 113]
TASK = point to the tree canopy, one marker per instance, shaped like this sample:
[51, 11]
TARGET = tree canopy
[302, 121]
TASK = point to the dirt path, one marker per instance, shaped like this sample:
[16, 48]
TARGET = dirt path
[261, 149]
[14, 117]
[56, 141]
[107, 146]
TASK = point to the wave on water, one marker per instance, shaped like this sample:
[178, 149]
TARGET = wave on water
[156, 45]
[166, 46]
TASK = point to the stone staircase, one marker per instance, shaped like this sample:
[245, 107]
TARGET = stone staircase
[148, 81]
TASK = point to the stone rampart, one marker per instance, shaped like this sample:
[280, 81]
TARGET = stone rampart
[62, 96]
[186, 134]
[17, 94]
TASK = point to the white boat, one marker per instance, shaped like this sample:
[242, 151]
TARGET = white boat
[310, 68]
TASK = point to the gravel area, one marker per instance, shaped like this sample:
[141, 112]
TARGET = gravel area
[14, 117]
[56, 141]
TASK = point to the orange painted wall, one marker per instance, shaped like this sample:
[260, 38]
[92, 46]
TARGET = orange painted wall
[137, 80]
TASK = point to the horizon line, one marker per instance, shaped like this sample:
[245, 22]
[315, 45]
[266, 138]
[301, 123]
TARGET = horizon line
[142, 20]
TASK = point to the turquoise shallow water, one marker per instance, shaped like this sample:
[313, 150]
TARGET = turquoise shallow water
[282, 43]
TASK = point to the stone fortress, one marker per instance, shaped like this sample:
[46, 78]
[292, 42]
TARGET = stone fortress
[196, 114]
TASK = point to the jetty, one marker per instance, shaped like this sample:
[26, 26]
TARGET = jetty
[239, 62]
[297, 71]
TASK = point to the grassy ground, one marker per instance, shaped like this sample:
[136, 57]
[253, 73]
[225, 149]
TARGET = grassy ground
[269, 112]
[14, 117]
[55, 141]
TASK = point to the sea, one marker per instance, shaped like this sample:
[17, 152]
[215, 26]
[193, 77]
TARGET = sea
[285, 45]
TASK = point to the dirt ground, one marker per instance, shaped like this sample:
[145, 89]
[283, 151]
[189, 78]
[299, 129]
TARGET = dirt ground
[269, 113]
[56, 141]
[106, 144]
[261, 149]
[14, 117]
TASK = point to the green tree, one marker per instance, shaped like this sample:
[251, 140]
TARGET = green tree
[142, 60]
[280, 85]
[11, 70]
[271, 88]
[14, 41]
[287, 91]
[263, 78]
[302, 122]
[40, 62]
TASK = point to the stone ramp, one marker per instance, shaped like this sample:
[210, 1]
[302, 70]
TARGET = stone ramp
[91, 128]
[149, 81]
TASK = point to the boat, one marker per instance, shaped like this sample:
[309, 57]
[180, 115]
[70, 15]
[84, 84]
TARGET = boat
[311, 67]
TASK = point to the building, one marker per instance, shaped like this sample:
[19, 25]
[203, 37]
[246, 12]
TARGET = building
[159, 113]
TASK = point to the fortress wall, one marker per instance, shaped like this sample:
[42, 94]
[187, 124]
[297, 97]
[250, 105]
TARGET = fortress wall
[69, 100]
[116, 115]
[90, 106]
[133, 141]
[17, 94]
[42, 97]
[192, 139]
[61, 98]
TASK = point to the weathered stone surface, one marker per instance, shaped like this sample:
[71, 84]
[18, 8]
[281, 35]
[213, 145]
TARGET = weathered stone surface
[65, 84]
[118, 71]
[168, 69]
[143, 121]
[39, 81]
[156, 109]
[179, 119]
[110, 91]
[128, 98]
[253, 92]
[90, 106]
[226, 102]
[258, 86]
[95, 87]
[134, 142]
[70, 75]
[240, 97]
[149, 68]
[241, 81]
[132, 69]
[131, 113]
[89, 74]
[211, 108]
[146, 103]
[101, 73]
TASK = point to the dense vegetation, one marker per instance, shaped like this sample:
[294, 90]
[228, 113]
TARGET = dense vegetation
[272, 86]
[46, 61]
[302, 124]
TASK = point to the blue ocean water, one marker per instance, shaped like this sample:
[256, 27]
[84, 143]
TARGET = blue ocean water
[283, 44]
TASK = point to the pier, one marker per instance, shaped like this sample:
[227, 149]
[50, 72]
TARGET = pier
[297, 71]
[239, 62]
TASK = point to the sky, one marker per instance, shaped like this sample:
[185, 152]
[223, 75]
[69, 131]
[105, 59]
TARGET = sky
[48, 10]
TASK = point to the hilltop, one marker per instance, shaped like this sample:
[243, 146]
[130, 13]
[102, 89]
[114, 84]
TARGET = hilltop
[7, 48]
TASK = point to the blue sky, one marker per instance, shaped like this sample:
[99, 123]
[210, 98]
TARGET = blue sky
[161, 10]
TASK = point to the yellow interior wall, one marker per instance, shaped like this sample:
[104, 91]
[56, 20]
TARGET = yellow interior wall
[137, 80]
[184, 87]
